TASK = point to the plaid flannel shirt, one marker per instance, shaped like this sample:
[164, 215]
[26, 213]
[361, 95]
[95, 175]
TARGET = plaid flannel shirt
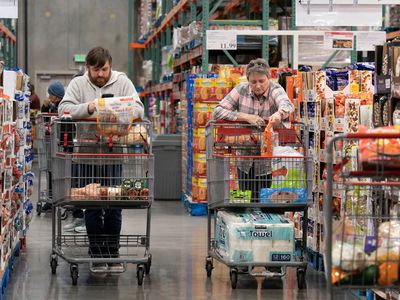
[242, 99]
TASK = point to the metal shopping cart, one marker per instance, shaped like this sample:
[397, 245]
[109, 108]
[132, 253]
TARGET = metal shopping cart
[239, 168]
[362, 240]
[43, 122]
[101, 166]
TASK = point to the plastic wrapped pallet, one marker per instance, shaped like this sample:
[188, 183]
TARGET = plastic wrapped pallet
[146, 17]
[147, 67]
[251, 236]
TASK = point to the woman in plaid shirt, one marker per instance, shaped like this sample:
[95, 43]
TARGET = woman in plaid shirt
[255, 102]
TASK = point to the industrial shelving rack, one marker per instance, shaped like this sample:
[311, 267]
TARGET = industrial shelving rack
[8, 42]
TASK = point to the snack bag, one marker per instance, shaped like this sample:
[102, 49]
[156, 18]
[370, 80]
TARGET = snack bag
[287, 172]
[374, 152]
[115, 115]
[288, 177]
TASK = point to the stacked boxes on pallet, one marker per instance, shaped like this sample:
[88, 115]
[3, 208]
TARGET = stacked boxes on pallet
[329, 102]
[203, 93]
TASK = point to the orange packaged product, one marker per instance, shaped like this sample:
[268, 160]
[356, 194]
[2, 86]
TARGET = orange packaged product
[200, 114]
[200, 164]
[204, 89]
[388, 273]
[366, 81]
[366, 98]
[198, 83]
[384, 152]
[222, 88]
[199, 139]
[239, 80]
[202, 189]
[195, 191]
[340, 104]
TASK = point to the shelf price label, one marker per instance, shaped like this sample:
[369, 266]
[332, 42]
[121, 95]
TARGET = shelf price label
[221, 40]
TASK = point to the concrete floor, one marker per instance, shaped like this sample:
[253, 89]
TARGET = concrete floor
[178, 246]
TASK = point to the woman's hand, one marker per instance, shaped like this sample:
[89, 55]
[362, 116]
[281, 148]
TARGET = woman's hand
[255, 120]
[276, 118]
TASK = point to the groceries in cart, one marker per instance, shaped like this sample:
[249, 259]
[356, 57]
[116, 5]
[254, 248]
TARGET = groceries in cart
[288, 177]
[130, 189]
[362, 259]
[137, 135]
[265, 166]
[380, 152]
[252, 236]
[115, 115]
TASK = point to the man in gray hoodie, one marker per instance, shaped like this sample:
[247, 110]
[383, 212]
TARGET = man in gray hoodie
[98, 80]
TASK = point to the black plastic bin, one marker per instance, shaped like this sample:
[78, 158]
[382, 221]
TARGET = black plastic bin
[168, 169]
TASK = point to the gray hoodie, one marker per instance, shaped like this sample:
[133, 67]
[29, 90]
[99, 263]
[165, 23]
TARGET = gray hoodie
[81, 90]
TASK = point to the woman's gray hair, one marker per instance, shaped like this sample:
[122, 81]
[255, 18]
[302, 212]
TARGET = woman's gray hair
[258, 65]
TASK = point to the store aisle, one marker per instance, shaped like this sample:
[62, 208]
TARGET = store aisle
[178, 244]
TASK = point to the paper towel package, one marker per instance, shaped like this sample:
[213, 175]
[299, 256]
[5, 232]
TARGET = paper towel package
[251, 236]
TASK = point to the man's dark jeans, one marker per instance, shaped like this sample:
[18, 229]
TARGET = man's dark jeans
[103, 226]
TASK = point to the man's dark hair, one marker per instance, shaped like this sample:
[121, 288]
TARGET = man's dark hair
[97, 57]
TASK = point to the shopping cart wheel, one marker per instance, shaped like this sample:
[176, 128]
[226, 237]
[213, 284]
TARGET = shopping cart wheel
[148, 265]
[209, 267]
[234, 277]
[39, 208]
[301, 279]
[53, 264]
[140, 274]
[64, 214]
[74, 274]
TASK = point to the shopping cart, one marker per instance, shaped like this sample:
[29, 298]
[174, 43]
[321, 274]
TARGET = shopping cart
[43, 122]
[362, 237]
[239, 167]
[101, 166]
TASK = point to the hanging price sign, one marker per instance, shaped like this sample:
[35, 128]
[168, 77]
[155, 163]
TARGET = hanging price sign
[221, 40]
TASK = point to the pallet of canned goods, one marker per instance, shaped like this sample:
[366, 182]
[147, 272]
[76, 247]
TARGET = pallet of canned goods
[256, 177]
[101, 165]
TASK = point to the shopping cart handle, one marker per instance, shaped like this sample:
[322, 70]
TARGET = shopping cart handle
[243, 122]
[377, 135]
[139, 120]
[229, 122]
[48, 114]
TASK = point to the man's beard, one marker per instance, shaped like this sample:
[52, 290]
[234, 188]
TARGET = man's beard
[99, 81]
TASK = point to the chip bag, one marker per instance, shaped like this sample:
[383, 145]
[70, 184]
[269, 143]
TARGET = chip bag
[115, 115]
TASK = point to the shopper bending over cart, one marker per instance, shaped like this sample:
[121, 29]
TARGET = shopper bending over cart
[255, 102]
[98, 80]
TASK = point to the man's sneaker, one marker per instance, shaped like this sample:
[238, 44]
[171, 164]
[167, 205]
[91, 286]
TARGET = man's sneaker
[46, 206]
[99, 268]
[80, 229]
[74, 223]
[116, 267]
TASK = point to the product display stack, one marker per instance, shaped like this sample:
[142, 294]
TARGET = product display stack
[203, 93]
[207, 93]
[146, 17]
[330, 102]
[16, 158]
[187, 96]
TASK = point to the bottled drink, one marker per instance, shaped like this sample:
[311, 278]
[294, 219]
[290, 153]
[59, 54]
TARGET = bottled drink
[67, 132]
